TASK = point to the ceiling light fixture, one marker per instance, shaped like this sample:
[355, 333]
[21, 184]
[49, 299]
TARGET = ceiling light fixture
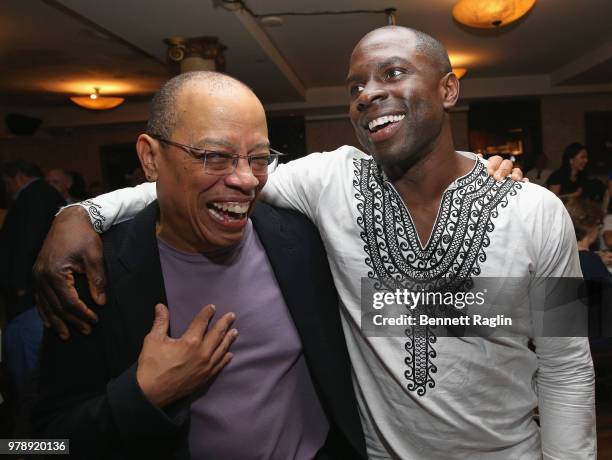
[490, 14]
[96, 102]
[459, 72]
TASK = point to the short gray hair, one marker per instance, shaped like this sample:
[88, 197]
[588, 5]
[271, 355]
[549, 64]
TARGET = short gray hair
[426, 45]
[163, 116]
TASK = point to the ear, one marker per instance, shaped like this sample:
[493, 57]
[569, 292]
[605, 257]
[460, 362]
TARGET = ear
[148, 152]
[449, 89]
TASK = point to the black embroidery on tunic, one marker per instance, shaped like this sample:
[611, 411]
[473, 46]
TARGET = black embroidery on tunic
[452, 255]
[97, 219]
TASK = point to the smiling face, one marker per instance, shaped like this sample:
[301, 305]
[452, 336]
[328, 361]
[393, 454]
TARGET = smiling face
[579, 162]
[199, 211]
[399, 95]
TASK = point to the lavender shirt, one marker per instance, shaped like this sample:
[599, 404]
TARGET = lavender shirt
[262, 405]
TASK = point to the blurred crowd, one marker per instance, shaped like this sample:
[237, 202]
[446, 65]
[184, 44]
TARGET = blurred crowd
[588, 201]
[29, 200]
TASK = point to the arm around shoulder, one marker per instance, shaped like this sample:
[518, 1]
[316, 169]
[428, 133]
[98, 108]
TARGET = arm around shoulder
[298, 185]
[565, 377]
[119, 205]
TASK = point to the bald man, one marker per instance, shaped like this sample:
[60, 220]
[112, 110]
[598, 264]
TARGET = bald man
[157, 383]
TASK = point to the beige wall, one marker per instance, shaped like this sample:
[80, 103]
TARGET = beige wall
[77, 149]
[563, 121]
[324, 135]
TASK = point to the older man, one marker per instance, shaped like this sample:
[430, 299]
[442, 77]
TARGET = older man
[61, 181]
[131, 390]
[415, 209]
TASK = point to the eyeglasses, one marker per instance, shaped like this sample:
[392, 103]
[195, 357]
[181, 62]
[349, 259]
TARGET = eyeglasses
[222, 163]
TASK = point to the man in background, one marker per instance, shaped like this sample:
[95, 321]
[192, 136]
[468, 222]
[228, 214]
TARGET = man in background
[61, 181]
[28, 219]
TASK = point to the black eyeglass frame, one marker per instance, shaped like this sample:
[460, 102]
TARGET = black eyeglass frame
[203, 155]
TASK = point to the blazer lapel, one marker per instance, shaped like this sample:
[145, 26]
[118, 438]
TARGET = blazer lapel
[296, 283]
[139, 284]
[303, 276]
[281, 249]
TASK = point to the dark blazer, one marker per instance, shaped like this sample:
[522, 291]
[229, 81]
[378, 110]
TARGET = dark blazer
[88, 385]
[25, 227]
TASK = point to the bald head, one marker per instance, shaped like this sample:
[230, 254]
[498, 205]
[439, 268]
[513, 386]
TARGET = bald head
[165, 104]
[423, 44]
[60, 180]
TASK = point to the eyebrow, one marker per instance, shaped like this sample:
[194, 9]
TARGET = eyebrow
[218, 142]
[262, 145]
[393, 60]
[351, 78]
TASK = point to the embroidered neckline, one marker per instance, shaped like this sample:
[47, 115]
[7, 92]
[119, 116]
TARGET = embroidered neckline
[449, 260]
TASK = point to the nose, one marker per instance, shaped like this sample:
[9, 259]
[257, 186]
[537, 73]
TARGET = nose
[243, 178]
[371, 93]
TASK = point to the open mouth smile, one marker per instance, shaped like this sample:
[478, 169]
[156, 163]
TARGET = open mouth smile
[229, 213]
[384, 127]
[381, 122]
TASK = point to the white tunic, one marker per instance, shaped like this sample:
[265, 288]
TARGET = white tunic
[468, 397]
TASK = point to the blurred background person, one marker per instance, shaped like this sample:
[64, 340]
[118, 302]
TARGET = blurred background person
[569, 180]
[587, 219]
[96, 188]
[606, 231]
[34, 204]
[69, 184]
[607, 201]
[540, 173]
[61, 181]
[136, 177]
[78, 189]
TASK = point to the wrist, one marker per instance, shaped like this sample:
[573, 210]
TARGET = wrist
[151, 391]
[73, 211]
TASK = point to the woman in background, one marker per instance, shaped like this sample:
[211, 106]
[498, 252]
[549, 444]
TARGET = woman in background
[587, 219]
[569, 180]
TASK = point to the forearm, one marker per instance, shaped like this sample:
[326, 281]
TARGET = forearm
[121, 418]
[84, 399]
[88, 425]
[119, 205]
[566, 395]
